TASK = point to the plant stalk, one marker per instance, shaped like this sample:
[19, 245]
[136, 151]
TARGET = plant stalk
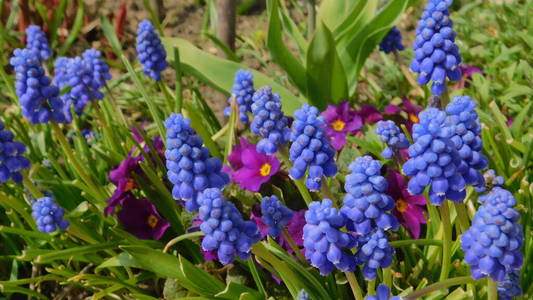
[462, 216]
[293, 246]
[34, 190]
[447, 242]
[356, 289]
[439, 285]
[492, 289]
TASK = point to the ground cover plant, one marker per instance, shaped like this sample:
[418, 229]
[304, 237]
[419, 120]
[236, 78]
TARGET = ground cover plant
[344, 150]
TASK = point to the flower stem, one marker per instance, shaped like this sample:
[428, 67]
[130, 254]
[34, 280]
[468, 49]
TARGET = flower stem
[298, 182]
[34, 190]
[462, 216]
[492, 289]
[407, 243]
[356, 289]
[371, 287]
[293, 246]
[447, 242]
[439, 285]
[387, 276]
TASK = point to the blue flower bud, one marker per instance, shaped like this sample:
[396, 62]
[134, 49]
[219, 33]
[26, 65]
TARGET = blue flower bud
[150, 51]
[275, 215]
[37, 42]
[48, 215]
[393, 136]
[392, 41]
[243, 90]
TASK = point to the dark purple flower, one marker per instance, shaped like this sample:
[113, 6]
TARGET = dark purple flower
[340, 121]
[140, 218]
[408, 209]
[250, 168]
[123, 180]
[369, 114]
[467, 72]
[412, 110]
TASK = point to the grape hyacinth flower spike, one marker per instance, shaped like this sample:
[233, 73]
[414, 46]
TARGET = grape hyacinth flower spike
[150, 51]
[493, 243]
[224, 228]
[436, 55]
[190, 169]
[36, 41]
[324, 242]
[467, 139]
[97, 66]
[38, 97]
[275, 215]
[366, 204]
[269, 121]
[434, 159]
[392, 41]
[310, 148]
[382, 293]
[11, 160]
[393, 136]
[48, 215]
[374, 252]
[243, 90]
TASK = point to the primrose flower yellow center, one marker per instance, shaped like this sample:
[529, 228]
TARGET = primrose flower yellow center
[338, 125]
[413, 118]
[265, 169]
[152, 221]
[401, 205]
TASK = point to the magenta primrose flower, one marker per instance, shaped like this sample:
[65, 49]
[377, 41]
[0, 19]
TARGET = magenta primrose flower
[408, 209]
[370, 114]
[140, 218]
[467, 72]
[250, 168]
[340, 121]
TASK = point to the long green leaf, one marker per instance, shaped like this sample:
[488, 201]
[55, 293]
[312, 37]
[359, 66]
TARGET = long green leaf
[326, 79]
[219, 73]
[279, 52]
[333, 13]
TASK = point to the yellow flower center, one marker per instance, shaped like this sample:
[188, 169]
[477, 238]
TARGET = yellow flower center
[338, 125]
[265, 169]
[401, 205]
[152, 221]
[413, 118]
[129, 185]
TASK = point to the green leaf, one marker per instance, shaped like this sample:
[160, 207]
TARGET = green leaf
[204, 280]
[333, 13]
[122, 260]
[279, 52]
[75, 252]
[361, 13]
[75, 29]
[234, 290]
[326, 79]
[219, 73]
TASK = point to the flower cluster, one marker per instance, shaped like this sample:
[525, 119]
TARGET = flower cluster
[37, 42]
[97, 66]
[434, 159]
[38, 97]
[250, 168]
[269, 121]
[190, 168]
[436, 54]
[491, 180]
[324, 242]
[509, 287]
[48, 215]
[224, 228]
[493, 243]
[392, 41]
[310, 148]
[467, 138]
[366, 205]
[275, 215]
[11, 159]
[382, 293]
[393, 136]
[243, 90]
[340, 121]
[374, 252]
[150, 51]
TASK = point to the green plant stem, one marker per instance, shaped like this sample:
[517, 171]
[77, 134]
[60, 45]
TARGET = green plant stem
[293, 246]
[492, 289]
[371, 288]
[462, 216]
[180, 238]
[298, 182]
[74, 160]
[356, 289]
[105, 126]
[387, 276]
[168, 97]
[34, 190]
[439, 285]
[255, 275]
[447, 243]
[408, 243]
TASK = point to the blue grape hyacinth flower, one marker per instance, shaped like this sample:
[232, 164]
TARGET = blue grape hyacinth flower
[48, 215]
[243, 90]
[269, 121]
[303, 295]
[275, 215]
[392, 41]
[393, 136]
[190, 168]
[366, 204]
[382, 293]
[97, 66]
[310, 148]
[436, 55]
[374, 252]
[224, 228]
[493, 243]
[38, 97]
[36, 41]
[467, 139]
[326, 245]
[491, 180]
[509, 287]
[150, 51]
[11, 160]
[434, 160]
